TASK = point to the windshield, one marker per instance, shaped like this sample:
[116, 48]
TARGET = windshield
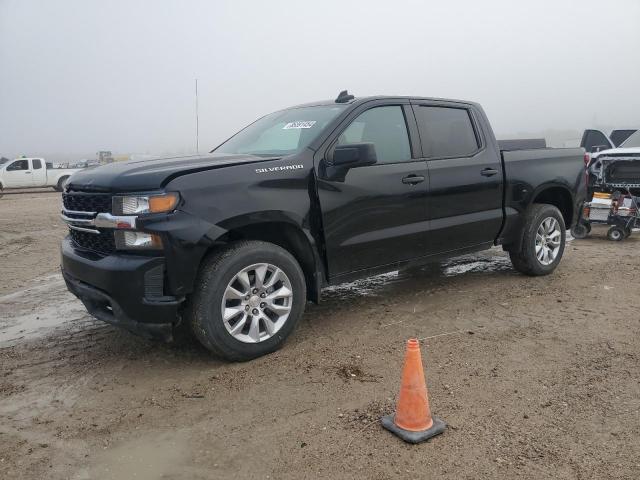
[282, 133]
[632, 142]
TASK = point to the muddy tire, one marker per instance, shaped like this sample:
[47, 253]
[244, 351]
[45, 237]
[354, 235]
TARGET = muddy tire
[249, 298]
[61, 183]
[543, 241]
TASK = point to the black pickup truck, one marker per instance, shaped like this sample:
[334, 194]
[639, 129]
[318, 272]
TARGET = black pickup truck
[232, 244]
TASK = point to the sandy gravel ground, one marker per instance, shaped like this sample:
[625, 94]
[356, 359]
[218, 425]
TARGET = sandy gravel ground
[537, 377]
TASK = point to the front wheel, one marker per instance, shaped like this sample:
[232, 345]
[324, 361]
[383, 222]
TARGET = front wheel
[543, 241]
[581, 230]
[616, 234]
[249, 298]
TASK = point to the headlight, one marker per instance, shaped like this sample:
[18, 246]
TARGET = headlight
[140, 204]
[132, 240]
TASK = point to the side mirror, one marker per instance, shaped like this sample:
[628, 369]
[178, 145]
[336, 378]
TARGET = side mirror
[354, 155]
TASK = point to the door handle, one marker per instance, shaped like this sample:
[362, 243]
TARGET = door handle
[412, 179]
[489, 172]
[26, 173]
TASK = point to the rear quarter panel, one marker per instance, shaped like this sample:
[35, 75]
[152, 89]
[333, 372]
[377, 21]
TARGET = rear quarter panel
[530, 172]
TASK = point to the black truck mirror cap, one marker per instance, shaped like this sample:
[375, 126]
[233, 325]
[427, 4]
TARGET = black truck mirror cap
[354, 155]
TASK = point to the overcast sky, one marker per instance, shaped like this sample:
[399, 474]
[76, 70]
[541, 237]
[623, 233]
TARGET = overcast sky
[87, 75]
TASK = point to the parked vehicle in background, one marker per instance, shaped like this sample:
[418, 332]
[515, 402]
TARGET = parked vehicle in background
[630, 147]
[233, 244]
[628, 151]
[32, 173]
[594, 141]
[613, 189]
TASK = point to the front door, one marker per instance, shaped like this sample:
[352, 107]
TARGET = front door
[465, 177]
[17, 174]
[375, 215]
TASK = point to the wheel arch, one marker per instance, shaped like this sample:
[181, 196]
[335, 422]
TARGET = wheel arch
[555, 194]
[59, 187]
[558, 196]
[283, 230]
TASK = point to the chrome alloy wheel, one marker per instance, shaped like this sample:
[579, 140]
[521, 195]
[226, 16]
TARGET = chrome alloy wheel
[548, 239]
[257, 303]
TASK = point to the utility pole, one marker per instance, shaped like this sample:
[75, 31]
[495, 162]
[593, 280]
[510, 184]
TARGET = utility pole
[197, 122]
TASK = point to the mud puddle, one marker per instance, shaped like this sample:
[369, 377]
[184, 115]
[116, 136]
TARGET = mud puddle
[36, 311]
[146, 458]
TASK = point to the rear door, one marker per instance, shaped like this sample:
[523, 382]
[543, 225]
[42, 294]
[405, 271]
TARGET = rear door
[17, 174]
[464, 199]
[39, 173]
[375, 215]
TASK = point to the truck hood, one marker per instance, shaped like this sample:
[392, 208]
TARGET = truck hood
[141, 175]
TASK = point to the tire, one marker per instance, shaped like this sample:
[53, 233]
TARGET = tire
[616, 234]
[61, 183]
[220, 272]
[526, 259]
[580, 231]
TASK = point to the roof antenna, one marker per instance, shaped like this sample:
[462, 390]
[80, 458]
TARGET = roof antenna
[344, 97]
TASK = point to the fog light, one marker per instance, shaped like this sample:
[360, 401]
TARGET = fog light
[132, 240]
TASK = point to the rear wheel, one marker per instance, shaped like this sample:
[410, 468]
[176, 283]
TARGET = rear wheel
[249, 298]
[543, 241]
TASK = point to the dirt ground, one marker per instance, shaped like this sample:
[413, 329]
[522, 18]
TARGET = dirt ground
[536, 377]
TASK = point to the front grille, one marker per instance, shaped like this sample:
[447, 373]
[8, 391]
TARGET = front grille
[87, 202]
[102, 243]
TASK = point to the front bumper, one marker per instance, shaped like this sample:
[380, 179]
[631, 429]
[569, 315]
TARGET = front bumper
[123, 290]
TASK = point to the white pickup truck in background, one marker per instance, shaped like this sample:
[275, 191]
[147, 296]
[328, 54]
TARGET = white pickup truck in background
[32, 173]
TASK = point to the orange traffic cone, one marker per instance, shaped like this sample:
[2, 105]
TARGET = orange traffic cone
[412, 421]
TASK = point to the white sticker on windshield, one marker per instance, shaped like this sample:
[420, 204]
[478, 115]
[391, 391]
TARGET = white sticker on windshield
[307, 124]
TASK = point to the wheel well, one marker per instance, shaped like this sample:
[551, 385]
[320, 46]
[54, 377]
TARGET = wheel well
[288, 237]
[560, 198]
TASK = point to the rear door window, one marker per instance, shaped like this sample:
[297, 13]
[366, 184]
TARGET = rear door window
[37, 164]
[446, 131]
